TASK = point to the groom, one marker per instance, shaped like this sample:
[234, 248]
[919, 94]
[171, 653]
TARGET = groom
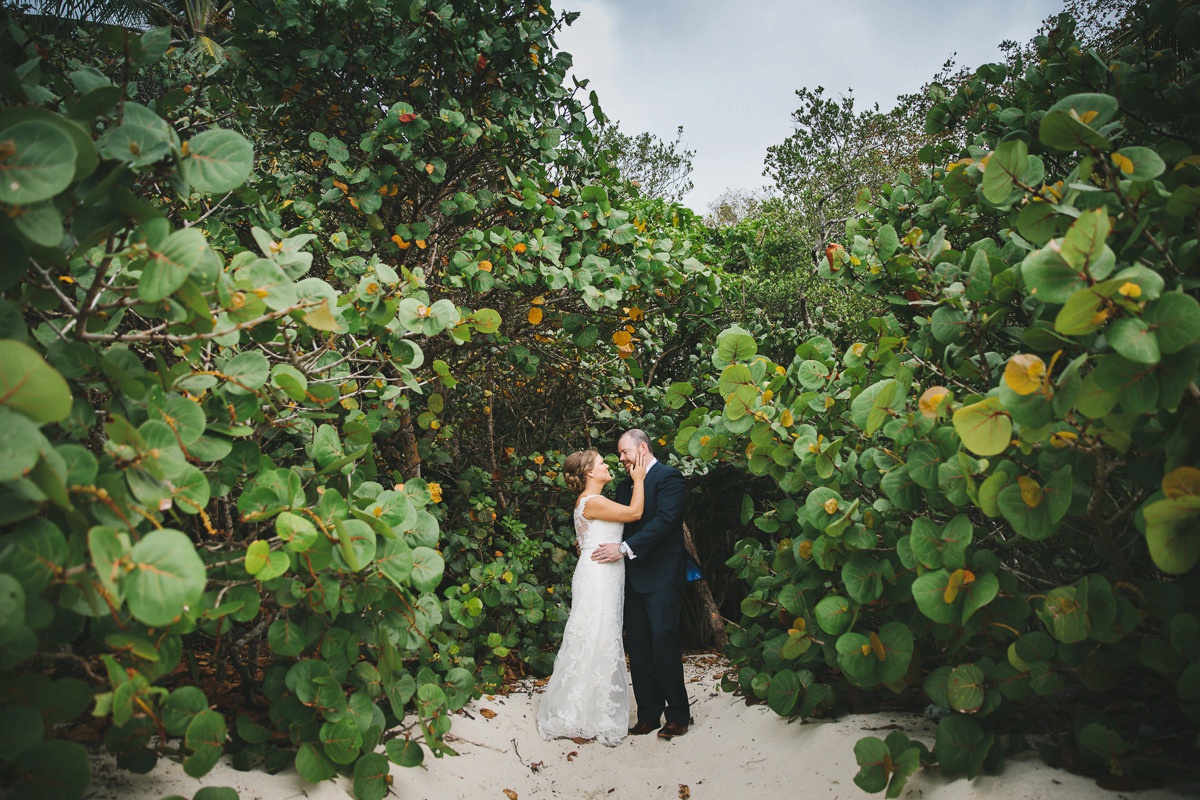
[654, 580]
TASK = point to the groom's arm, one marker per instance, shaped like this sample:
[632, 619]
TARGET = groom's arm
[670, 494]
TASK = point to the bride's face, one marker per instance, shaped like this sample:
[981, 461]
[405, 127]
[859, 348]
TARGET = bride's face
[599, 470]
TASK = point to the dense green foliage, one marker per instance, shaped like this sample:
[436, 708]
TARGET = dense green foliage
[230, 372]
[988, 502]
[304, 301]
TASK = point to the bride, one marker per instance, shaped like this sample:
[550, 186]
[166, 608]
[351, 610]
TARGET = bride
[588, 695]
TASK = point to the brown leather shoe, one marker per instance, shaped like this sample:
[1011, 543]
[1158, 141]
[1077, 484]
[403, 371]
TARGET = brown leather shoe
[642, 728]
[672, 729]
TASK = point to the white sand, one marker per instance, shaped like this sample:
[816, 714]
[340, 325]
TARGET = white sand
[733, 752]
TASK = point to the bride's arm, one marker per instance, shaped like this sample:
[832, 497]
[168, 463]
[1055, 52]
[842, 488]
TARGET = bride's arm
[600, 507]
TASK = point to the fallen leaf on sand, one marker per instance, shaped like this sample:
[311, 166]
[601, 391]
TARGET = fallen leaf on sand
[487, 712]
[510, 794]
[684, 791]
[571, 755]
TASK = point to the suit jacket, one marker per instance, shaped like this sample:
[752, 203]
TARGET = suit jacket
[657, 538]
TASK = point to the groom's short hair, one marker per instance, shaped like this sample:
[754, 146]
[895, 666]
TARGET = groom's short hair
[638, 435]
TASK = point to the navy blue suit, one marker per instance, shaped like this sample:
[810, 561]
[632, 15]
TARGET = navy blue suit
[654, 583]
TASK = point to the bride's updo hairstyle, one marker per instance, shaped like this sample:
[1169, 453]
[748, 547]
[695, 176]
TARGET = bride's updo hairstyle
[576, 468]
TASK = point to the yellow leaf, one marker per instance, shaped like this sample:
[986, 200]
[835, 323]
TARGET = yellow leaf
[1124, 163]
[1031, 492]
[1062, 439]
[321, 318]
[535, 315]
[1086, 116]
[767, 395]
[485, 266]
[1024, 373]
[1181, 482]
[831, 505]
[786, 419]
[931, 400]
[804, 550]
[858, 348]
[798, 625]
[877, 647]
[538, 301]
[953, 587]
[1130, 290]
[636, 314]
[866, 649]
[429, 168]
[621, 338]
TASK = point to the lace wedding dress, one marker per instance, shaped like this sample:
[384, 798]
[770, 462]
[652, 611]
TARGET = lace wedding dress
[588, 694]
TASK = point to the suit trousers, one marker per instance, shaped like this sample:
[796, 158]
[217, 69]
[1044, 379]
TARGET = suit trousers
[655, 659]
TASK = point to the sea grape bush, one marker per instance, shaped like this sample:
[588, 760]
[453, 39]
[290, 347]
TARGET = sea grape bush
[224, 386]
[989, 501]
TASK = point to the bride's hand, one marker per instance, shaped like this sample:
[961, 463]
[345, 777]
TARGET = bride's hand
[640, 466]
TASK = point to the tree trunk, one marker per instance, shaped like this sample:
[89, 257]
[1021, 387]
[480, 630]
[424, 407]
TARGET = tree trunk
[711, 610]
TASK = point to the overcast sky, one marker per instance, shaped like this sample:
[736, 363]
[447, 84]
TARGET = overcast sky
[727, 71]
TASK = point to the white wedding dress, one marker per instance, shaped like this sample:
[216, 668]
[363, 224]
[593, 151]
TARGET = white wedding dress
[588, 694]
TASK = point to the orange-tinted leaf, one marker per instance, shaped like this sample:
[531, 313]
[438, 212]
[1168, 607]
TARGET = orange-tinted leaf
[1181, 482]
[407, 118]
[429, 168]
[487, 713]
[877, 647]
[953, 586]
[931, 400]
[535, 315]
[635, 313]
[485, 266]
[1024, 373]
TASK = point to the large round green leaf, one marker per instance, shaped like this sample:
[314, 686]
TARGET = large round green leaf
[405, 752]
[427, 568]
[863, 578]
[961, 745]
[168, 576]
[834, 615]
[856, 657]
[984, 427]
[312, 765]
[1071, 123]
[733, 345]
[1172, 533]
[205, 737]
[166, 268]
[53, 770]
[965, 688]
[218, 160]
[1134, 339]
[371, 777]
[1175, 320]
[39, 165]
[31, 386]
[783, 695]
[896, 643]
[1005, 165]
[929, 591]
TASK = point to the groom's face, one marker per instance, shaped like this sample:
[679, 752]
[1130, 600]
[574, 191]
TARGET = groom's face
[627, 450]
